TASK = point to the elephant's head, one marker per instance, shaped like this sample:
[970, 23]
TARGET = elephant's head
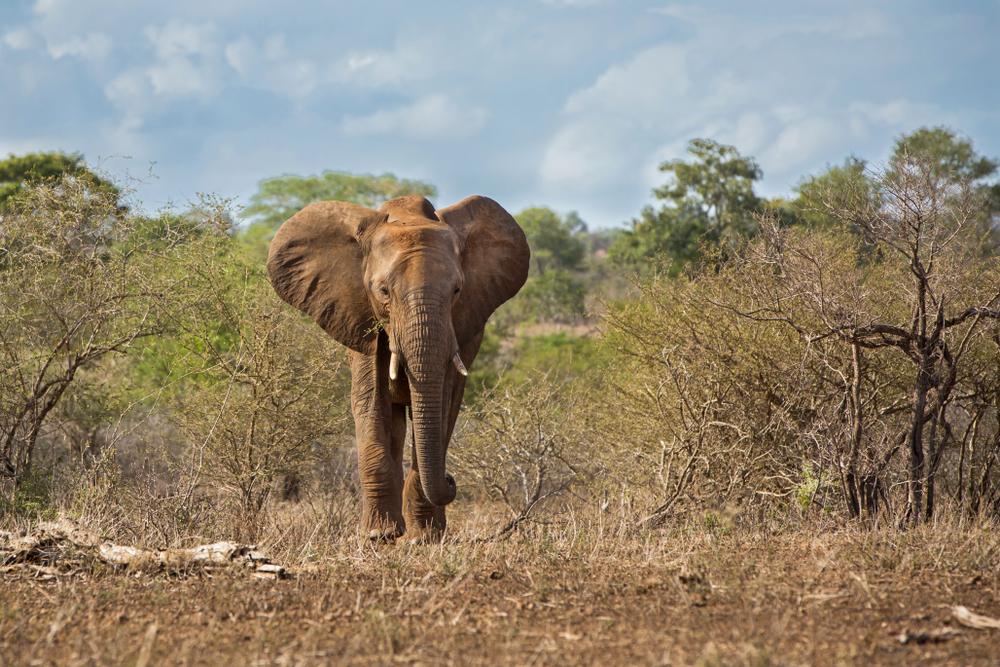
[429, 278]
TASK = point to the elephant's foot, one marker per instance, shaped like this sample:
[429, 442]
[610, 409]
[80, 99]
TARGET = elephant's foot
[382, 526]
[384, 536]
[425, 523]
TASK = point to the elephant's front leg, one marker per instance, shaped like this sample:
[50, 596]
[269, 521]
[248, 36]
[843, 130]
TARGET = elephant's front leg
[380, 429]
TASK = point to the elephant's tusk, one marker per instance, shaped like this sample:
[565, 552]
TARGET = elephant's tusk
[393, 366]
[459, 365]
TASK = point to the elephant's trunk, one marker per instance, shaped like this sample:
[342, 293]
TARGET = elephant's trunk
[428, 349]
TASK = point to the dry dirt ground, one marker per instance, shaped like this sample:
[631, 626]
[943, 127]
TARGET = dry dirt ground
[842, 597]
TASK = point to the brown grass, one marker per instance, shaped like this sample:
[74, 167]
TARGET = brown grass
[585, 588]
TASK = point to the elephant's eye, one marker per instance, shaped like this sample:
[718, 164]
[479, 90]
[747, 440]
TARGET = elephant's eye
[457, 289]
[384, 290]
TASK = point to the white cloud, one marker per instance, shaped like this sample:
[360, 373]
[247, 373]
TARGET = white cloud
[130, 91]
[374, 69]
[798, 144]
[185, 56]
[242, 56]
[431, 118]
[176, 39]
[20, 39]
[274, 47]
[583, 155]
[180, 76]
[719, 84]
[637, 89]
[296, 79]
[271, 67]
[49, 7]
[900, 113]
[96, 46]
[577, 3]
[738, 31]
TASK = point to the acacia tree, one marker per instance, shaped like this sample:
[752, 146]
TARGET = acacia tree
[708, 200]
[264, 391]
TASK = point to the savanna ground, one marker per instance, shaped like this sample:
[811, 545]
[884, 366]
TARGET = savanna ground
[580, 590]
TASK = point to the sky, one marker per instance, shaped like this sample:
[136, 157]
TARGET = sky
[564, 103]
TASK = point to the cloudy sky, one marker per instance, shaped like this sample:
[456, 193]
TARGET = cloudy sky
[566, 103]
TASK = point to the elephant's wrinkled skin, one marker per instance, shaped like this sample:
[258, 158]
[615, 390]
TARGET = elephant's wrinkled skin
[405, 288]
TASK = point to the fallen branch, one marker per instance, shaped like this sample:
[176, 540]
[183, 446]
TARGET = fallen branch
[973, 620]
[61, 542]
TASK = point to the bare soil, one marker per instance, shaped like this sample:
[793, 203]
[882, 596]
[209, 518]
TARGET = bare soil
[839, 598]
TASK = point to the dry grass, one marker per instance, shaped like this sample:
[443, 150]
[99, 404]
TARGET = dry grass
[584, 588]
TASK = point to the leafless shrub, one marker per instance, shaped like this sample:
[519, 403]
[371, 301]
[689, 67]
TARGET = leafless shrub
[260, 392]
[919, 297]
[812, 355]
[525, 445]
[709, 408]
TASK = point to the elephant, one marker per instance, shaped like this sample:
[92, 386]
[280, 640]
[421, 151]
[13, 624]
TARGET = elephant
[408, 291]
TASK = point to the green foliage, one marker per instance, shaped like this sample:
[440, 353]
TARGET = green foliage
[256, 390]
[485, 372]
[554, 295]
[948, 157]
[674, 234]
[556, 242]
[806, 491]
[719, 184]
[16, 173]
[561, 356]
[558, 246]
[32, 499]
[709, 200]
[953, 156]
[835, 186]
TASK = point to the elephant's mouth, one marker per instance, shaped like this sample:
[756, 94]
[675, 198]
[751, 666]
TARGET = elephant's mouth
[394, 363]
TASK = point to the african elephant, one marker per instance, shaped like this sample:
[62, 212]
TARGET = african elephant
[408, 290]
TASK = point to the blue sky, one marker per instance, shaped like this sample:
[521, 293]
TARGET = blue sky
[566, 103]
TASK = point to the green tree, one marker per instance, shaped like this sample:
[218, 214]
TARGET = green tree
[837, 182]
[256, 391]
[558, 246]
[556, 242]
[278, 199]
[950, 158]
[709, 199]
[80, 283]
[954, 160]
[18, 172]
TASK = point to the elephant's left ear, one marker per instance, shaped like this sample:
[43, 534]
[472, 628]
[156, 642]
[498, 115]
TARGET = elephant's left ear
[495, 261]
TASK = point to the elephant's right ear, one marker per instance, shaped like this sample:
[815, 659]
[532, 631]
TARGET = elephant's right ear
[317, 264]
